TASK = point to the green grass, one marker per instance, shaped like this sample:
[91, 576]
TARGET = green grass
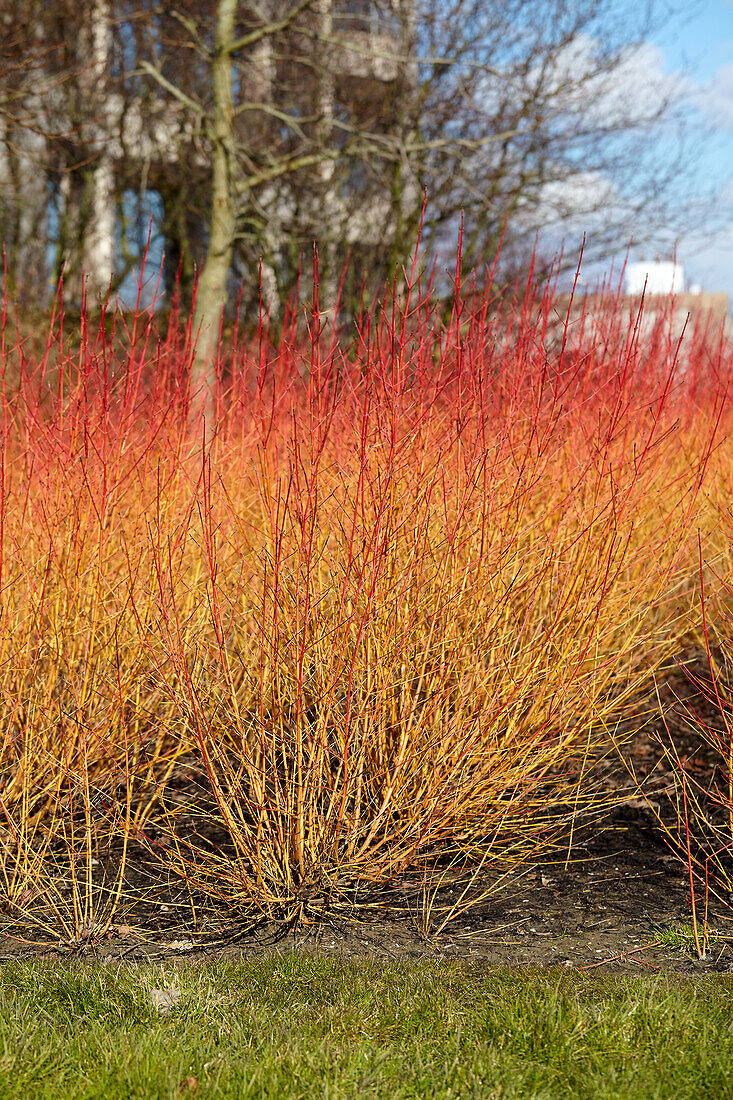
[683, 938]
[298, 1026]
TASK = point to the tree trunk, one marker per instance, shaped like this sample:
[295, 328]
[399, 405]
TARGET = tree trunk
[99, 246]
[405, 194]
[212, 284]
[99, 242]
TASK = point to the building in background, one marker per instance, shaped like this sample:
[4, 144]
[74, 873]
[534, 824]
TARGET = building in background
[314, 102]
[662, 284]
[654, 278]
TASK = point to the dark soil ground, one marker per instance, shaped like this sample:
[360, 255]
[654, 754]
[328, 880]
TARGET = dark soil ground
[619, 903]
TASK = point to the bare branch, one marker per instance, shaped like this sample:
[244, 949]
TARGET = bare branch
[295, 164]
[176, 92]
[269, 28]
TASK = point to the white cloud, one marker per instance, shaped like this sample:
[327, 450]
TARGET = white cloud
[577, 204]
[715, 100]
[630, 93]
[574, 84]
[588, 202]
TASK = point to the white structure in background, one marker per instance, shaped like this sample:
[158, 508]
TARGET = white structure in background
[660, 277]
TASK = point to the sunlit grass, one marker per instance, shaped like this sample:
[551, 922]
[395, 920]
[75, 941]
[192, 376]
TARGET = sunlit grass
[298, 1026]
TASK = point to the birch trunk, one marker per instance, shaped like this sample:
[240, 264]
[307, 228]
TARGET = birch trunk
[99, 242]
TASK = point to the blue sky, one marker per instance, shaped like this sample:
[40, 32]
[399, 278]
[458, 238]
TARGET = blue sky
[699, 40]
[699, 44]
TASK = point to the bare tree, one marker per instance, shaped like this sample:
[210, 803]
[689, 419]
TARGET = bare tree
[513, 116]
[533, 112]
[265, 125]
[279, 79]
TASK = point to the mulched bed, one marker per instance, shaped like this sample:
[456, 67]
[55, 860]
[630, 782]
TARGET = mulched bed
[602, 909]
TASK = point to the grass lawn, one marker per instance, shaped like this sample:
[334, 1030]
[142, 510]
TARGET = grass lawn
[299, 1026]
